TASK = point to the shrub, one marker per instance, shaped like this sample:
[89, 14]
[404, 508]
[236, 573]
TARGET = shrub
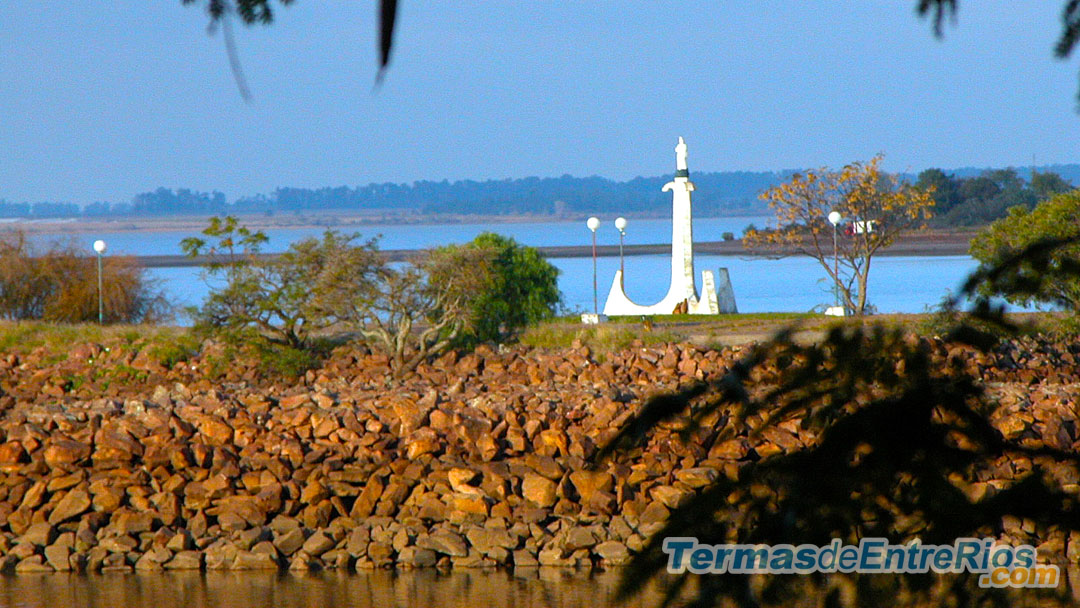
[1056, 218]
[274, 306]
[520, 289]
[58, 284]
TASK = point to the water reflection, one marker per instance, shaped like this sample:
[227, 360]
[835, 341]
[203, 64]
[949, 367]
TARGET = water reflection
[528, 588]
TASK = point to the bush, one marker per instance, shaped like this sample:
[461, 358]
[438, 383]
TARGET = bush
[728, 236]
[1056, 218]
[287, 308]
[58, 284]
[274, 305]
[521, 288]
[409, 311]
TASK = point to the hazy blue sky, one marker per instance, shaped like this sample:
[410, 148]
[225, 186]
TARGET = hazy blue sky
[101, 100]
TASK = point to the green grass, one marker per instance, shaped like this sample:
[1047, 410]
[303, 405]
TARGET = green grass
[601, 338]
[25, 336]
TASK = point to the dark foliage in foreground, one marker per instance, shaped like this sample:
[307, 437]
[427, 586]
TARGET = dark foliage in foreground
[897, 437]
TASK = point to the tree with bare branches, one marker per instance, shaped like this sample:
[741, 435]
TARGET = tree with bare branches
[408, 311]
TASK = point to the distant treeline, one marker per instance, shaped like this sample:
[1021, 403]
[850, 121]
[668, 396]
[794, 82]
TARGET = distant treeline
[966, 196]
[984, 197]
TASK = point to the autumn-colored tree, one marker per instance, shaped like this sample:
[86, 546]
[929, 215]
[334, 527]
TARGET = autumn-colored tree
[58, 283]
[874, 207]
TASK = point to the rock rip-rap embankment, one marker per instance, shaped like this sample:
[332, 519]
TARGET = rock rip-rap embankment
[476, 460]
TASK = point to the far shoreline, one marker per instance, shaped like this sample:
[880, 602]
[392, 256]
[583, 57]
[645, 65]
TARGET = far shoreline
[916, 243]
[329, 220]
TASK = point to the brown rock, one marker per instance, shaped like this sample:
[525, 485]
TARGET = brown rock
[358, 540]
[589, 483]
[486, 540]
[74, 503]
[35, 496]
[423, 441]
[656, 512]
[463, 480]
[445, 542]
[697, 477]
[65, 452]
[381, 554]
[41, 534]
[292, 401]
[185, 560]
[525, 559]
[538, 490]
[544, 466]
[34, 563]
[613, 552]
[290, 542]
[578, 538]
[671, 496]
[250, 560]
[220, 555]
[416, 557]
[369, 497]
[216, 430]
[12, 453]
[471, 503]
[317, 544]
[553, 556]
[58, 557]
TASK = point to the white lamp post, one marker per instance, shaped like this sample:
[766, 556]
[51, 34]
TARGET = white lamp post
[593, 223]
[620, 224]
[99, 247]
[834, 219]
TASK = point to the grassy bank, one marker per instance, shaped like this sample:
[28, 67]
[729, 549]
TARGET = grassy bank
[617, 333]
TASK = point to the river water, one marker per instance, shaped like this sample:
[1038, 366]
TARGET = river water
[469, 588]
[794, 284]
[533, 588]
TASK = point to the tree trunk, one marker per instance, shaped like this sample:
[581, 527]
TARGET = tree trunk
[860, 305]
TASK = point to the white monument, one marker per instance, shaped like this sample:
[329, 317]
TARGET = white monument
[682, 295]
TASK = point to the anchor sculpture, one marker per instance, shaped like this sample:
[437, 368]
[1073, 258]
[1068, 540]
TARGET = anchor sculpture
[682, 296]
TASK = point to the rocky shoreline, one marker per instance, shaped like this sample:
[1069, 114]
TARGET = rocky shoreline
[113, 462]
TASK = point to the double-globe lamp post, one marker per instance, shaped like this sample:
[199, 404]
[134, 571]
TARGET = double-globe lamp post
[99, 247]
[593, 223]
[834, 219]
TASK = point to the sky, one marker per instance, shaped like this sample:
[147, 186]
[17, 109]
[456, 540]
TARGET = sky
[103, 100]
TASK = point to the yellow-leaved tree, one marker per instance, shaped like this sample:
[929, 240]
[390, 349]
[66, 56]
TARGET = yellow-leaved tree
[870, 208]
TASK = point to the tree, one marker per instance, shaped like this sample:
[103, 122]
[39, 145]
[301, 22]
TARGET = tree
[522, 288]
[945, 189]
[1056, 218]
[59, 284]
[1048, 184]
[875, 208]
[272, 304]
[408, 312]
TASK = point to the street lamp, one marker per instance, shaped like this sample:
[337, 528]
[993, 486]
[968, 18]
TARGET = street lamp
[593, 223]
[99, 247]
[620, 224]
[834, 219]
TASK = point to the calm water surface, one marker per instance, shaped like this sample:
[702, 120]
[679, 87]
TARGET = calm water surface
[796, 284]
[542, 587]
[532, 588]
